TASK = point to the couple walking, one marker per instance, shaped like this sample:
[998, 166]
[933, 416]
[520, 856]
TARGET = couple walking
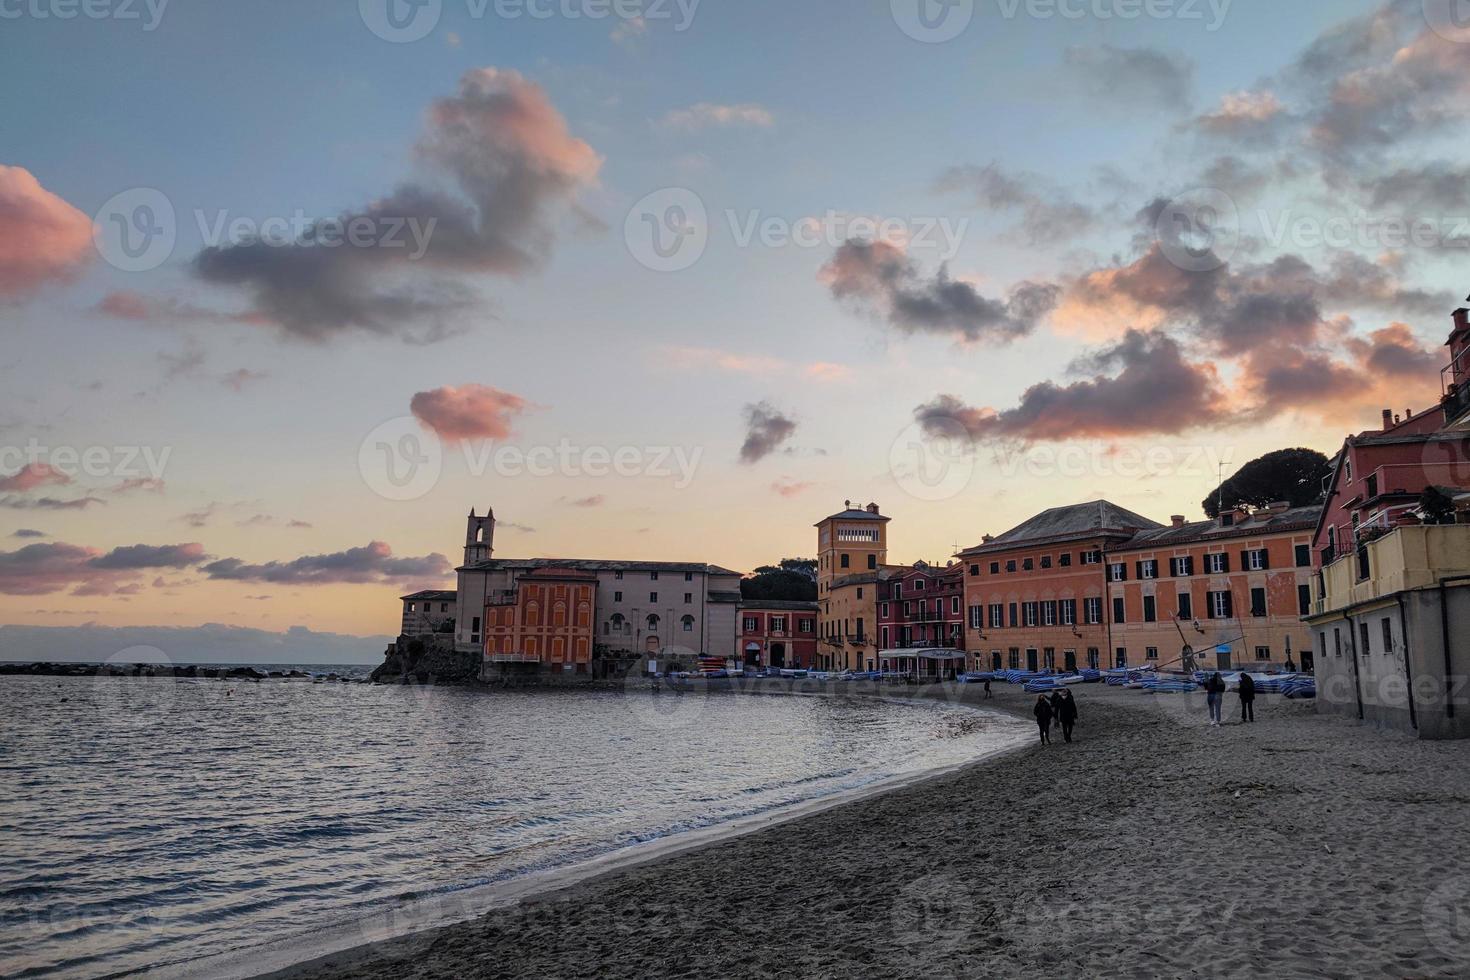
[1215, 698]
[1059, 708]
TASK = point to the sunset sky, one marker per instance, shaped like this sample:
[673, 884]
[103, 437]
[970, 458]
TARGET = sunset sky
[683, 282]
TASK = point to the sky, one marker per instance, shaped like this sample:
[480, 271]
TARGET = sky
[287, 289]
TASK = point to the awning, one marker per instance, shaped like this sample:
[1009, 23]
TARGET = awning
[925, 654]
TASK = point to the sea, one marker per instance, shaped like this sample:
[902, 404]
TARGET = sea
[149, 823]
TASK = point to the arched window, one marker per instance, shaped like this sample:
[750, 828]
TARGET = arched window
[619, 624]
[689, 624]
[653, 624]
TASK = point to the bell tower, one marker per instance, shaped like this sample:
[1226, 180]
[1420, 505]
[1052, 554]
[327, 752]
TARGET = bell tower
[479, 538]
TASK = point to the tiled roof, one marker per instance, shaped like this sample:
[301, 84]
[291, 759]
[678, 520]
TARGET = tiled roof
[1066, 523]
[780, 605]
[722, 598]
[1257, 524]
[597, 565]
[431, 596]
[853, 515]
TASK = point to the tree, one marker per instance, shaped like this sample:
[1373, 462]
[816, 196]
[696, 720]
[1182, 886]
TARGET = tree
[1436, 507]
[1293, 475]
[793, 580]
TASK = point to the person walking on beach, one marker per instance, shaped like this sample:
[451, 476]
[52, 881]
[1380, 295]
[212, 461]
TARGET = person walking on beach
[1043, 718]
[1067, 715]
[1247, 698]
[1215, 697]
[988, 695]
[1056, 705]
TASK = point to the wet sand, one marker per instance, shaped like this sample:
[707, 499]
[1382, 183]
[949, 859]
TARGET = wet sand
[1154, 845]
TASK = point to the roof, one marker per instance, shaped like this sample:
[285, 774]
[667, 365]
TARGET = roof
[853, 514]
[597, 565]
[721, 597]
[1068, 523]
[1262, 522]
[779, 605]
[431, 596]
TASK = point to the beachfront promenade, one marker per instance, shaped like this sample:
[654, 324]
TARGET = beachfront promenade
[1153, 846]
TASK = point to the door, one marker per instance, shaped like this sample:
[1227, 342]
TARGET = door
[778, 655]
[1070, 658]
[995, 661]
[1031, 663]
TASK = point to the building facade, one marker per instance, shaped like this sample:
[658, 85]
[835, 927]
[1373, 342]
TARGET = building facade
[427, 613]
[1214, 594]
[544, 623]
[922, 606]
[642, 608]
[852, 551]
[778, 634]
[1037, 596]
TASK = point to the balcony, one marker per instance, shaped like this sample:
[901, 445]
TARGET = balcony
[512, 658]
[1456, 403]
[1397, 560]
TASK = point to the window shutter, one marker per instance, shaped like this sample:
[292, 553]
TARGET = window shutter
[1189, 565]
[1229, 605]
[1265, 557]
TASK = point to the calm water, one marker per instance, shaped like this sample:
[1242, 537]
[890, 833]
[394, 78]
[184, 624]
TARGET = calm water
[145, 822]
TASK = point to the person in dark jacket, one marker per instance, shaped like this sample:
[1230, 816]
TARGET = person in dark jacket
[1215, 697]
[1042, 711]
[987, 688]
[1067, 715]
[1056, 705]
[1247, 698]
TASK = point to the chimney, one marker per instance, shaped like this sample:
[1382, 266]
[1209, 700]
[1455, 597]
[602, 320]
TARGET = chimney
[987, 539]
[1408, 413]
[1387, 419]
[872, 509]
[1177, 520]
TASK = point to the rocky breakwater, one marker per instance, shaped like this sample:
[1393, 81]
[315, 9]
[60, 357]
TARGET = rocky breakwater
[431, 660]
[45, 669]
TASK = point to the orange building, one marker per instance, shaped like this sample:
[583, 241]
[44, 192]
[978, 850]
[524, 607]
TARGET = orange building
[852, 549]
[1232, 591]
[545, 623]
[1036, 596]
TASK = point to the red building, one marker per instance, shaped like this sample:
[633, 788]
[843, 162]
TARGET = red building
[922, 606]
[779, 634]
[545, 623]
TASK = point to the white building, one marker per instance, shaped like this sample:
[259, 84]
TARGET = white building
[643, 607]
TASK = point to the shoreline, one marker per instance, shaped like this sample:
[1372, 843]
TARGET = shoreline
[1155, 845]
[360, 939]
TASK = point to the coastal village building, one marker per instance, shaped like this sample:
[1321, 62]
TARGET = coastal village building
[1226, 593]
[1037, 596]
[544, 623]
[922, 606]
[427, 613]
[778, 634]
[852, 551]
[641, 609]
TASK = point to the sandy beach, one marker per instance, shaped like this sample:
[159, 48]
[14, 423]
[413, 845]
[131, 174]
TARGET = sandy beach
[1153, 846]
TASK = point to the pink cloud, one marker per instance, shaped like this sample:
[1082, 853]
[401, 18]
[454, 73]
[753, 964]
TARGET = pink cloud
[826, 371]
[34, 475]
[468, 412]
[42, 238]
[789, 488]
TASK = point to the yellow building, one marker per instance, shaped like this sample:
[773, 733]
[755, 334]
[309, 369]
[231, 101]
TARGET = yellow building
[852, 551]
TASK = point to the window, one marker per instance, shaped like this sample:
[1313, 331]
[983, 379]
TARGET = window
[1150, 609]
[1367, 646]
[653, 597]
[1387, 635]
[918, 585]
[1186, 605]
[1028, 564]
[1254, 560]
[778, 624]
[1120, 656]
[1151, 653]
[1336, 642]
[689, 576]
[997, 616]
[1258, 603]
[618, 576]
[860, 632]
[688, 598]
[1049, 613]
[995, 568]
[807, 625]
[1222, 605]
[884, 632]
[872, 561]
[1069, 612]
[1015, 616]
[653, 624]
[1011, 565]
[688, 623]
[1029, 612]
[1092, 611]
[617, 597]
[1181, 567]
[1065, 560]
[410, 607]
[1046, 561]
[750, 623]
[846, 561]
[908, 609]
[1148, 568]
[883, 610]
[1263, 654]
[977, 617]
[1304, 600]
[954, 605]
[974, 571]
[1092, 557]
[860, 593]
[1013, 658]
[1118, 611]
[1303, 556]
[1217, 564]
[653, 576]
[1118, 572]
